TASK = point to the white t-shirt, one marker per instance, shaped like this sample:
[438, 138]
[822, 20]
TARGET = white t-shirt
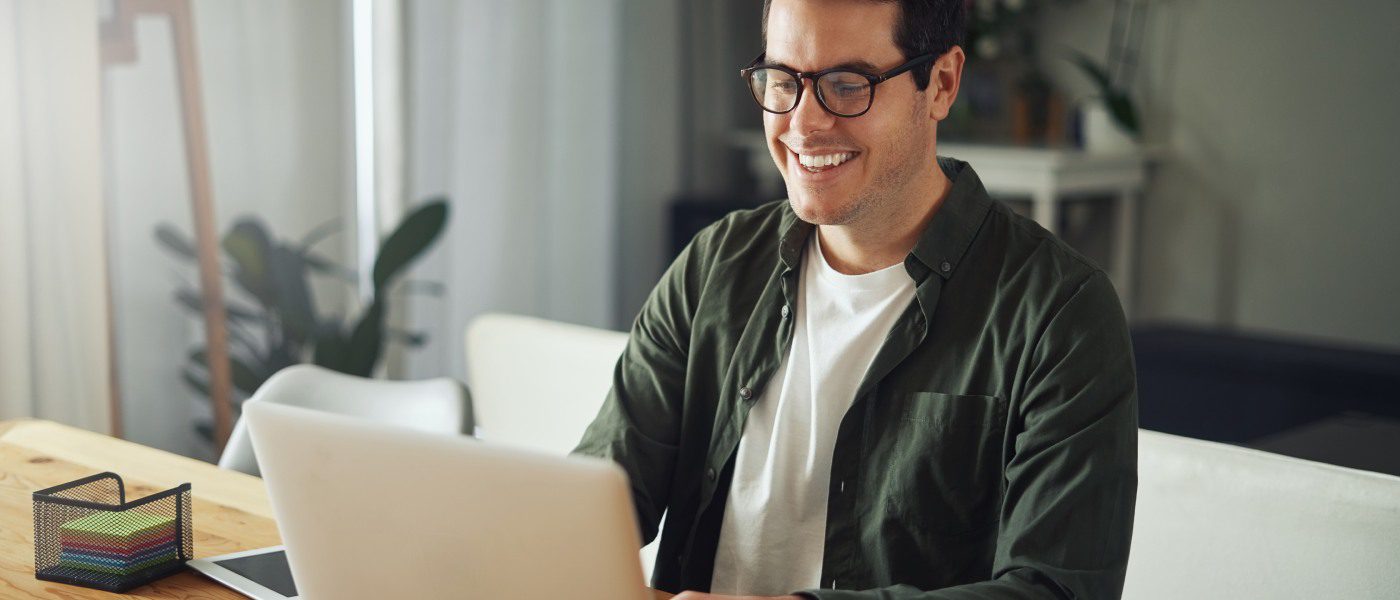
[774, 526]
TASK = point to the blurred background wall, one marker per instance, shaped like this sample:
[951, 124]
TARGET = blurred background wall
[516, 112]
[578, 144]
[1275, 205]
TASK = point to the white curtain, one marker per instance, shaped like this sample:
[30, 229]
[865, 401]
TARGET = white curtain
[53, 283]
[514, 115]
[276, 95]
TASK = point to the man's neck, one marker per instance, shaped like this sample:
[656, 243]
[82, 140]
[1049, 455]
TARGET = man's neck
[885, 237]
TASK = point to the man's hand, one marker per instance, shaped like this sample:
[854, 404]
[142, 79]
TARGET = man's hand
[704, 596]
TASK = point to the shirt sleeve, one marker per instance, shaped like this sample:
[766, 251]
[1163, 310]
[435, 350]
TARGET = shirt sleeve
[1071, 483]
[639, 424]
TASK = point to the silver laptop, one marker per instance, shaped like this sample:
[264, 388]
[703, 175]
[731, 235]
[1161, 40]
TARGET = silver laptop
[376, 511]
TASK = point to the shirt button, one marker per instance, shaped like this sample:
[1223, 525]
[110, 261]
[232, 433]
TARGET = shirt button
[710, 473]
[784, 311]
[946, 266]
[745, 393]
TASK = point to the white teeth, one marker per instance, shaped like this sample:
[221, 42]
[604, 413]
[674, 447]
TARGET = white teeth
[824, 160]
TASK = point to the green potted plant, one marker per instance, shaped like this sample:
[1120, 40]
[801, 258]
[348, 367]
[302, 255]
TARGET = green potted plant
[1109, 119]
[272, 318]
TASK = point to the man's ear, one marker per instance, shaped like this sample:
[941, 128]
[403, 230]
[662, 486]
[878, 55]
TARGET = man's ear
[944, 80]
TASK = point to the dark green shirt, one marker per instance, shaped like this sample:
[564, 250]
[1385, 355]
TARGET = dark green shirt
[991, 451]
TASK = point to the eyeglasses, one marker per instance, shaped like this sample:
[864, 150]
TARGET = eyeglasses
[842, 91]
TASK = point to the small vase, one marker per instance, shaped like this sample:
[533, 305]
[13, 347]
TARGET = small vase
[1101, 134]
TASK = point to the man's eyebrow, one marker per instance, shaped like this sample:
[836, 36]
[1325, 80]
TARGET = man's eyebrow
[857, 65]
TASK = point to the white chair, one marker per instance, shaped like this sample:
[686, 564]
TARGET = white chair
[434, 405]
[1221, 521]
[537, 384]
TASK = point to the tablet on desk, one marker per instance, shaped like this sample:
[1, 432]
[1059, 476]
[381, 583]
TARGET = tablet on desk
[261, 574]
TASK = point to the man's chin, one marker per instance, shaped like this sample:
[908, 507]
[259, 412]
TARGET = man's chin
[820, 211]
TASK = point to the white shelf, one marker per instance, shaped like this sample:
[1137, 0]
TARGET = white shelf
[1050, 175]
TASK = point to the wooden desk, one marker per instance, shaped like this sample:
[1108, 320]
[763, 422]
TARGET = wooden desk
[231, 510]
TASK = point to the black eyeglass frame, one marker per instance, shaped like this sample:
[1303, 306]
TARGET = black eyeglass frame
[798, 76]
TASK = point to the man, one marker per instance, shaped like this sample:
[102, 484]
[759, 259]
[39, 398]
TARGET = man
[888, 386]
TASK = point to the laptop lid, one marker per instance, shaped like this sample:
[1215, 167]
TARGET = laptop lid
[373, 511]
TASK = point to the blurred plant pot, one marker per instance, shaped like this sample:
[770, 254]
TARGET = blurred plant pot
[1100, 132]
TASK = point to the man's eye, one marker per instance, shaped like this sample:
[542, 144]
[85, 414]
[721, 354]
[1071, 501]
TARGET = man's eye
[785, 87]
[850, 91]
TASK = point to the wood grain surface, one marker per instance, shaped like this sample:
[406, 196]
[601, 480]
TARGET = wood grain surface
[231, 509]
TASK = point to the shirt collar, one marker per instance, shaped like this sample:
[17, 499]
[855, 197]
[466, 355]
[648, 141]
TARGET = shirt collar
[944, 240]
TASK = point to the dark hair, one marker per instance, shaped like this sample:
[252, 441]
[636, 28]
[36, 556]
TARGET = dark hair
[924, 26]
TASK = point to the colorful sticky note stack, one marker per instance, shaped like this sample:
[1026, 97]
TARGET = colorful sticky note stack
[118, 543]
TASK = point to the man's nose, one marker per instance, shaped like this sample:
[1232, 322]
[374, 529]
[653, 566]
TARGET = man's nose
[809, 115]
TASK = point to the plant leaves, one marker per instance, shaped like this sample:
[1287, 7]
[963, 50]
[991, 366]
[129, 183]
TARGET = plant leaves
[431, 288]
[240, 336]
[412, 339]
[325, 266]
[195, 382]
[294, 308]
[248, 245]
[276, 275]
[366, 342]
[281, 357]
[1123, 112]
[329, 351]
[414, 235]
[246, 378]
[318, 233]
[1119, 105]
[175, 241]
[1094, 71]
[192, 300]
[205, 429]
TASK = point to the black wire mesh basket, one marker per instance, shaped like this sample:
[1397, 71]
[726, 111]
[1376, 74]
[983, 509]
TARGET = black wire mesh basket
[87, 534]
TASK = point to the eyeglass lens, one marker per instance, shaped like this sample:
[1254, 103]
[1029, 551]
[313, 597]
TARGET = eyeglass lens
[841, 92]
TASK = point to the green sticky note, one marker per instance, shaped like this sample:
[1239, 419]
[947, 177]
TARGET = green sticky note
[125, 524]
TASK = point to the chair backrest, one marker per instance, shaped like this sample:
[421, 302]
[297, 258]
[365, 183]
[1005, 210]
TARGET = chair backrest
[538, 384]
[1221, 521]
[434, 405]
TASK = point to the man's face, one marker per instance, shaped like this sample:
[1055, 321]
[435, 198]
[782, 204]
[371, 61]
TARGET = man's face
[888, 146]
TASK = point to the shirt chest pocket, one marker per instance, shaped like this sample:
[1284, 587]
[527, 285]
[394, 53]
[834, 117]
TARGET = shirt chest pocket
[942, 466]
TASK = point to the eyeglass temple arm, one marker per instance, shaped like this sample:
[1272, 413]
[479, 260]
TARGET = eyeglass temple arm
[904, 67]
[753, 63]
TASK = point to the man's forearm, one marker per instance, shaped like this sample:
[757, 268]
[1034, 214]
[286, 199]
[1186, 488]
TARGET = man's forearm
[704, 596]
[1013, 586]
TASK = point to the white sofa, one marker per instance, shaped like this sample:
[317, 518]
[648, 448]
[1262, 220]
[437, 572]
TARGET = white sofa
[1221, 521]
[1212, 520]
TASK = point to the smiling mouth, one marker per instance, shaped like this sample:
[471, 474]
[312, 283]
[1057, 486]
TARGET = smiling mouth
[818, 163]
